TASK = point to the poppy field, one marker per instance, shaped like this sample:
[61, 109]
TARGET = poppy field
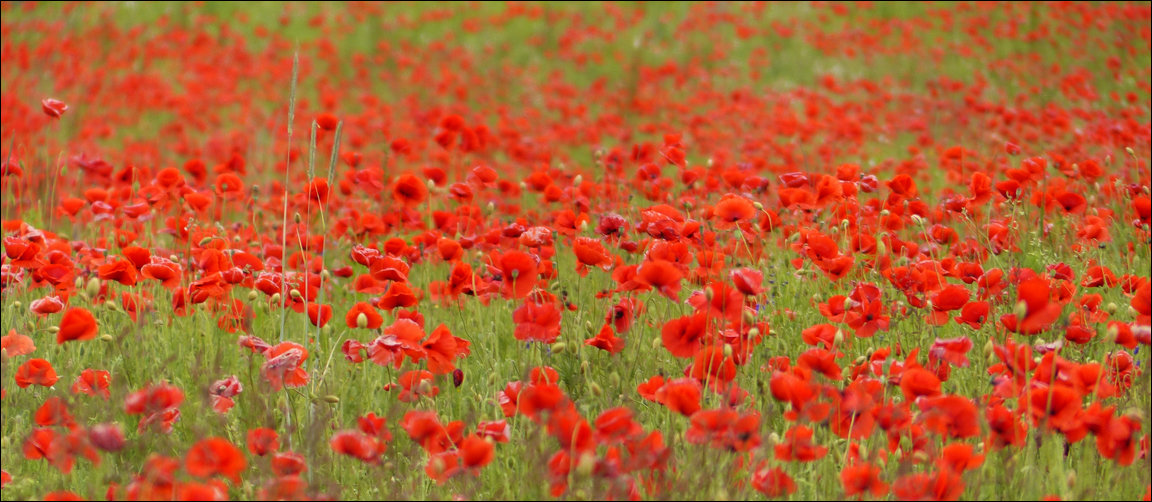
[576, 251]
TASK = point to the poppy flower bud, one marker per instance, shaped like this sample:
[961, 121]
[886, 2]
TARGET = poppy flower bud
[361, 320]
[773, 438]
[754, 332]
[728, 350]
[860, 360]
[839, 338]
[881, 248]
[583, 226]
[491, 379]
[844, 224]
[275, 298]
[93, 287]
[252, 295]
[905, 443]
[756, 204]
[1111, 308]
[558, 347]
[491, 206]
[1112, 334]
[656, 342]
[79, 283]
[1020, 310]
[53, 329]
[331, 399]
[327, 330]
[918, 219]
[989, 348]
[296, 217]
[457, 377]
[173, 257]
[585, 464]
[204, 241]
[595, 389]
[295, 294]
[884, 213]
[106, 338]
[584, 367]
[614, 380]
[578, 180]
[17, 304]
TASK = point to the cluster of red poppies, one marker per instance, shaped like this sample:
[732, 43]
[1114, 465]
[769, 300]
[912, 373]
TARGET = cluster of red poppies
[699, 260]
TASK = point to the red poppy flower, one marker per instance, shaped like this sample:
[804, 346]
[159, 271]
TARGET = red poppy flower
[773, 482]
[262, 441]
[93, 383]
[1035, 303]
[53, 107]
[409, 190]
[537, 322]
[15, 344]
[662, 275]
[861, 478]
[215, 456]
[36, 372]
[77, 324]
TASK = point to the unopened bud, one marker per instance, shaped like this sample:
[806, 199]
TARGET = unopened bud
[558, 347]
[595, 389]
[205, 241]
[332, 399]
[252, 295]
[989, 348]
[295, 294]
[748, 317]
[275, 298]
[756, 204]
[1021, 310]
[578, 180]
[93, 287]
[839, 338]
[1111, 308]
[754, 332]
[361, 320]
[614, 380]
[106, 338]
[585, 464]
[296, 217]
[1112, 334]
[727, 350]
